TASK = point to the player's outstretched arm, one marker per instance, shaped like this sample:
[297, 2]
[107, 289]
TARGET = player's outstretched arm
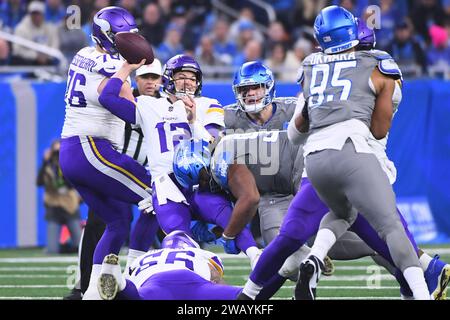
[113, 95]
[243, 187]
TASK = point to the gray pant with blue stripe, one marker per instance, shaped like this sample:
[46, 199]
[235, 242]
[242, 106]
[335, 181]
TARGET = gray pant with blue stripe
[350, 182]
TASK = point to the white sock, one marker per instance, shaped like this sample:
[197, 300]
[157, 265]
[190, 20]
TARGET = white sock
[325, 239]
[251, 289]
[425, 260]
[289, 269]
[253, 253]
[416, 281]
[132, 255]
[92, 291]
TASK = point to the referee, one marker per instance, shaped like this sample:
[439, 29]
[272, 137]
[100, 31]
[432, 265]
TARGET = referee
[148, 81]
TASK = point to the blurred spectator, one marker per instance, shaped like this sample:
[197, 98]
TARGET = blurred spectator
[302, 48]
[438, 56]
[283, 62]
[60, 199]
[245, 22]
[283, 10]
[304, 14]
[253, 51]
[33, 27]
[390, 16]
[225, 48]
[407, 51]
[70, 41]
[11, 13]
[247, 32]
[206, 56]
[153, 26]
[133, 8]
[166, 9]
[426, 14]
[276, 34]
[55, 12]
[189, 36]
[350, 5]
[4, 52]
[172, 43]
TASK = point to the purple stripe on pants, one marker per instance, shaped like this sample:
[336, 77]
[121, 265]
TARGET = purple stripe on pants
[108, 197]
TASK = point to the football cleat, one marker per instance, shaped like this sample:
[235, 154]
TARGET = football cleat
[108, 282]
[437, 277]
[310, 270]
[328, 267]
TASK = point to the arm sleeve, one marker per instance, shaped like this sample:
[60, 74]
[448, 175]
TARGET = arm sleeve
[295, 136]
[120, 107]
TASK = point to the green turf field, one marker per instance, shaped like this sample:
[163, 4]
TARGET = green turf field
[30, 274]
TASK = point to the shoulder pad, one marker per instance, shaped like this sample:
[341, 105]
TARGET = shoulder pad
[231, 107]
[380, 54]
[300, 75]
[390, 68]
[285, 101]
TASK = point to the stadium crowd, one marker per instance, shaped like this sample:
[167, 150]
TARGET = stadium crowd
[415, 33]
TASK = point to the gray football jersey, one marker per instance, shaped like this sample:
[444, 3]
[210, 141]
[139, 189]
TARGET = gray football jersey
[235, 118]
[336, 87]
[269, 156]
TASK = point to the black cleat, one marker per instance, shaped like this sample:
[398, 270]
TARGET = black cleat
[310, 270]
[243, 296]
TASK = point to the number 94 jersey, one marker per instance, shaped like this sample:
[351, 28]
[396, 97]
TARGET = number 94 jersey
[162, 260]
[85, 116]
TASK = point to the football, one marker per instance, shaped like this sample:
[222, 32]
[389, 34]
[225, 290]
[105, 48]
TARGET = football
[134, 47]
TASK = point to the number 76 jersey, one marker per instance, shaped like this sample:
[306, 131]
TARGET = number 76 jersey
[162, 260]
[85, 116]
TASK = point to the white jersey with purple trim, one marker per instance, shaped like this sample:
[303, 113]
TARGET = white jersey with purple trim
[156, 261]
[85, 116]
[209, 111]
[164, 124]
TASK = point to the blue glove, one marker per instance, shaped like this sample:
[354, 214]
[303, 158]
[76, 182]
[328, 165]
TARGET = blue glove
[230, 246]
[201, 232]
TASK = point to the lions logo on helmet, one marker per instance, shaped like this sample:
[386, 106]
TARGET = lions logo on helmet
[249, 75]
[179, 240]
[190, 157]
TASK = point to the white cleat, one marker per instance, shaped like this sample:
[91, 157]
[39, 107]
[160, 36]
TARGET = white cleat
[110, 278]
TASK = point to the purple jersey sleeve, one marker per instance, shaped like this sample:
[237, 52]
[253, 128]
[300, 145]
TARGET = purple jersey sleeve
[111, 100]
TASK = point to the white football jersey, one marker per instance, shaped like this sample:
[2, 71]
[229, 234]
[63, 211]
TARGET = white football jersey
[85, 116]
[164, 124]
[209, 111]
[161, 260]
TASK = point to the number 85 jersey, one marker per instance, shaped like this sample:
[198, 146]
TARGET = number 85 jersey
[85, 116]
[163, 260]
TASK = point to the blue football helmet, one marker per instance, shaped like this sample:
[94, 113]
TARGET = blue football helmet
[190, 157]
[335, 29]
[251, 74]
[179, 240]
[180, 62]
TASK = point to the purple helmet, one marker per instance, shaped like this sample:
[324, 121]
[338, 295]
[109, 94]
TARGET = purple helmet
[179, 239]
[180, 62]
[108, 22]
[366, 36]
